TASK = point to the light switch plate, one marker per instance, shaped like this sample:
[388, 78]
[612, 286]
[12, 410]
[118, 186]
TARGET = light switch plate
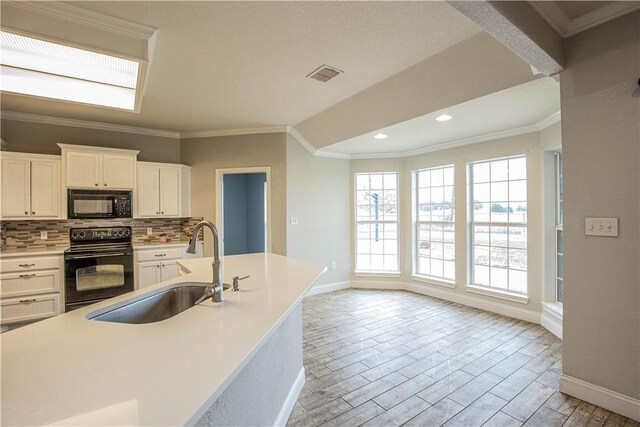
[149, 231]
[293, 220]
[44, 235]
[601, 227]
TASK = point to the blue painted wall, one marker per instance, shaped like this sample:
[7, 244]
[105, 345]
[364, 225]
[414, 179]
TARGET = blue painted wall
[244, 228]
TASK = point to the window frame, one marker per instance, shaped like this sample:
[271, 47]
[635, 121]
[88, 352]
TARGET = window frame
[559, 220]
[387, 273]
[472, 223]
[417, 222]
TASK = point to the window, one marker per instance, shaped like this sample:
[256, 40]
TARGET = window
[435, 229]
[559, 236]
[39, 68]
[377, 222]
[498, 212]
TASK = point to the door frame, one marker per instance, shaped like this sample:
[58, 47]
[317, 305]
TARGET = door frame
[220, 173]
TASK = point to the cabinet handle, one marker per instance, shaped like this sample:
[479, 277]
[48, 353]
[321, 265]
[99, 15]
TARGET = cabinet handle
[105, 184]
[25, 265]
[24, 301]
[159, 255]
[26, 212]
[157, 213]
[33, 213]
[162, 212]
[96, 184]
[27, 276]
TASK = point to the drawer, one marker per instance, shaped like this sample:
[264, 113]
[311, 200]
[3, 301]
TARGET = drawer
[16, 310]
[38, 282]
[159, 254]
[8, 265]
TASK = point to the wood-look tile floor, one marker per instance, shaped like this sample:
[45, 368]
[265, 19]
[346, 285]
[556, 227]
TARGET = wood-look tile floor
[391, 358]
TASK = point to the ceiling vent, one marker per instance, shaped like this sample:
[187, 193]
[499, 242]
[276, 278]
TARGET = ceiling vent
[324, 73]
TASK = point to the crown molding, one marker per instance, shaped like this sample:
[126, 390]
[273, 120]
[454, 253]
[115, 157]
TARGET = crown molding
[302, 140]
[567, 27]
[86, 17]
[602, 15]
[234, 132]
[36, 118]
[551, 119]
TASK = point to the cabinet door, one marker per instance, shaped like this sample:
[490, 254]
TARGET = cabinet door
[148, 274]
[83, 169]
[45, 188]
[170, 191]
[16, 188]
[148, 191]
[170, 270]
[118, 171]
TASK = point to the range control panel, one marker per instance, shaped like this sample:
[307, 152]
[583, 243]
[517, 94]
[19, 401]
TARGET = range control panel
[100, 233]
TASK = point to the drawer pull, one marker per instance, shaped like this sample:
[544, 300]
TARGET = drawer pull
[27, 276]
[26, 301]
[160, 255]
[25, 265]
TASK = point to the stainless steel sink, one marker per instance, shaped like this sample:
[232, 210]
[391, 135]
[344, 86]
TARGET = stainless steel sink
[154, 308]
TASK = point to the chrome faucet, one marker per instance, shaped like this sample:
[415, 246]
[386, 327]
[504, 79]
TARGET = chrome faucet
[215, 291]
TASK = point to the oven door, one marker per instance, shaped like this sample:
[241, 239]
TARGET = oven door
[96, 276]
[92, 205]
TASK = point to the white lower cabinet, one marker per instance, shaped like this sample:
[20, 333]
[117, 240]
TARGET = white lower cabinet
[155, 265]
[30, 288]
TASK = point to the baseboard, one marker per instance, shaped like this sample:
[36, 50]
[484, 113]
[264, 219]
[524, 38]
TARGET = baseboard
[551, 321]
[378, 284]
[600, 396]
[290, 401]
[329, 287]
[494, 307]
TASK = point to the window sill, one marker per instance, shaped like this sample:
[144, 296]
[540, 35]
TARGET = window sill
[509, 296]
[433, 281]
[377, 273]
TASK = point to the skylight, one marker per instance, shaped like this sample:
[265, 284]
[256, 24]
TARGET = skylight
[35, 67]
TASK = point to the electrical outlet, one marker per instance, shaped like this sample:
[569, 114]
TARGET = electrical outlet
[44, 235]
[602, 227]
[293, 220]
[334, 265]
[149, 231]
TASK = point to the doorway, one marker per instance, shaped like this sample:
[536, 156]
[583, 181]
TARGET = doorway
[243, 210]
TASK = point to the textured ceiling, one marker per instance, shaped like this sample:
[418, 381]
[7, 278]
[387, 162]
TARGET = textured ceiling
[225, 65]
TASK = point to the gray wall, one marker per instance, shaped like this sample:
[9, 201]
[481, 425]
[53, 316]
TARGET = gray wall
[244, 213]
[318, 194]
[600, 142]
[41, 138]
[205, 155]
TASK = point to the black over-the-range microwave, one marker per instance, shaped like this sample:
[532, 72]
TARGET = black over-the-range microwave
[98, 204]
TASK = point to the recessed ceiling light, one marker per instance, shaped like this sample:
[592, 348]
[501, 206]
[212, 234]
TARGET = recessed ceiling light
[380, 136]
[443, 117]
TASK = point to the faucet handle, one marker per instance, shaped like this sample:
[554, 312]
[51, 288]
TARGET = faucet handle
[236, 284]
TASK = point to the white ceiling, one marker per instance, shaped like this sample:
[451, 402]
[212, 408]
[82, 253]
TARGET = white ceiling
[226, 65]
[520, 106]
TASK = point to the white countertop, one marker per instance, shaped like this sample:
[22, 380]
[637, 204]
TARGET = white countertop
[71, 371]
[14, 253]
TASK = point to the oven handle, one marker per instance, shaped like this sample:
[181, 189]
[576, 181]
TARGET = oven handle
[72, 257]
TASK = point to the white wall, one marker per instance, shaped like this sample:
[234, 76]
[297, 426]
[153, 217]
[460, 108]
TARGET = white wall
[318, 194]
[600, 100]
[529, 144]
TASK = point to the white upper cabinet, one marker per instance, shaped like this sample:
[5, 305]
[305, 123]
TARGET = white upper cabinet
[163, 190]
[170, 191]
[31, 186]
[96, 167]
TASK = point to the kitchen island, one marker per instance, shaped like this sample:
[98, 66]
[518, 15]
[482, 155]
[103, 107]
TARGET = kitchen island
[192, 368]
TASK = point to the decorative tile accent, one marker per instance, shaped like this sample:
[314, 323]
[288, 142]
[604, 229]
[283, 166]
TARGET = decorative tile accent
[18, 235]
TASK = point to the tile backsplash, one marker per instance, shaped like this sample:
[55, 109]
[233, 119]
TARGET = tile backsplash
[18, 235]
